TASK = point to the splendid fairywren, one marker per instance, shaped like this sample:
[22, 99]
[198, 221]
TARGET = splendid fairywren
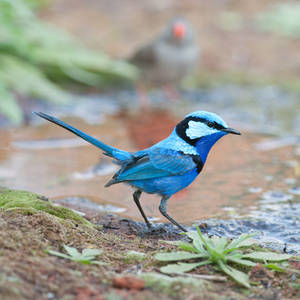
[168, 166]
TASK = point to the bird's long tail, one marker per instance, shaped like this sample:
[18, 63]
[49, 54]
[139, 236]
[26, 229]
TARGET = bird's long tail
[110, 151]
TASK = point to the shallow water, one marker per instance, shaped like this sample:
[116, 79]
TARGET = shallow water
[276, 222]
[250, 183]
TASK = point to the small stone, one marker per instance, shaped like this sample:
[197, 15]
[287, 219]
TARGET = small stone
[129, 282]
[295, 190]
[203, 225]
[50, 295]
[255, 190]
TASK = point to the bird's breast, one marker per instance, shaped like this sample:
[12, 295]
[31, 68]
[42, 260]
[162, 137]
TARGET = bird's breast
[175, 62]
[169, 54]
[166, 186]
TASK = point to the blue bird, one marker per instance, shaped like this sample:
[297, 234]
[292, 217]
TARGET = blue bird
[168, 166]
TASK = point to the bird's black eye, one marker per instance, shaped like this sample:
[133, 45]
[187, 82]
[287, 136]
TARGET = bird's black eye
[214, 125]
[210, 124]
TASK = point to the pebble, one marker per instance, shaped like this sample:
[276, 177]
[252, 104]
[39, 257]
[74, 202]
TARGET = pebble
[129, 282]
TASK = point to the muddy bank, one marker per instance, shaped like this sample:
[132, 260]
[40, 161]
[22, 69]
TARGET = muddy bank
[28, 272]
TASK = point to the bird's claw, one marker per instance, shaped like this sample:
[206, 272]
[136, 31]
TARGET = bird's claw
[159, 228]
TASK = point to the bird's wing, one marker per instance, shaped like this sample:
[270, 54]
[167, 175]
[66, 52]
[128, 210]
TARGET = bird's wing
[143, 56]
[172, 161]
[157, 163]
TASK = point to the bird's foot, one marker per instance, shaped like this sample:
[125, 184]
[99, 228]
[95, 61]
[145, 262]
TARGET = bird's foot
[163, 230]
[157, 228]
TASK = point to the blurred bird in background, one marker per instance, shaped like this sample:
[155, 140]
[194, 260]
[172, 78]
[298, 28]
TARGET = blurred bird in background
[171, 56]
[168, 166]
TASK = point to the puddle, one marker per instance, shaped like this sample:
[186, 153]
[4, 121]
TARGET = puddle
[275, 197]
[89, 207]
[276, 221]
[249, 183]
[49, 144]
[295, 190]
[255, 190]
[104, 167]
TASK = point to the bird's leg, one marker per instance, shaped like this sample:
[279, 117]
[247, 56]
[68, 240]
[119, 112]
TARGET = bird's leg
[136, 198]
[163, 210]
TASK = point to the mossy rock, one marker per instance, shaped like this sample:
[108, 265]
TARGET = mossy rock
[30, 202]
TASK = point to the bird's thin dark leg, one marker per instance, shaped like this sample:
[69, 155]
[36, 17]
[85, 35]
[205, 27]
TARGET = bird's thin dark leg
[163, 210]
[136, 198]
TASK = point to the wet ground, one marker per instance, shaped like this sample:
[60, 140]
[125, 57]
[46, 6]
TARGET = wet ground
[130, 270]
[254, 176]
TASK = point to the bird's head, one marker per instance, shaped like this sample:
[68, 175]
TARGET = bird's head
[202, 125]
[178, 31]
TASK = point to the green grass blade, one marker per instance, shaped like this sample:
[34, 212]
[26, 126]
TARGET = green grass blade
[182, 267]
[235, 274]
[239, 242]
[274, 267]
[62, 255]
[91, 252]
[240, 261]
[179, 255]
[219, 243]
[248, 242]
[267, 256]
[205, 240]
[198, 244]
[99, 263]
[83, 261]
[72, 252]
[187, 247]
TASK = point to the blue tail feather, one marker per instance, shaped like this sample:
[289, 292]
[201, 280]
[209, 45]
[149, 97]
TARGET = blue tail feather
[110, 151]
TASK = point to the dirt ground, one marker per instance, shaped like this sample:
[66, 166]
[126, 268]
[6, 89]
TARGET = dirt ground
[28, 272]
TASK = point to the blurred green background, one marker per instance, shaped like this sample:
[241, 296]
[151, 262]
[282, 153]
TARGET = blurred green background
[50, 49]
[37, 58]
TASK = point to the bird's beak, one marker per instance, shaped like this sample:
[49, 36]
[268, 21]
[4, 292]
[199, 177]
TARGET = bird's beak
[231, 130]
[179, 30]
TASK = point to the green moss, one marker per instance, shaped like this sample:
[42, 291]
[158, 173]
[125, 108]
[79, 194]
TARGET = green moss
[31, 203]
[132, 257]
[172, 286]
[181, 287]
